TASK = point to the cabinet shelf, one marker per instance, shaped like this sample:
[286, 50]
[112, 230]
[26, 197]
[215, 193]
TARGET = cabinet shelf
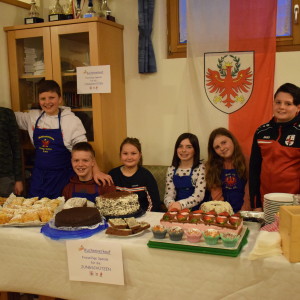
[30, 76]
[69, 74]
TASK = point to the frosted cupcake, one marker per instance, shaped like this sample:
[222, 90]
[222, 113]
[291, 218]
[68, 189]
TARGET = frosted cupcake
[159, 231]
[229, 239]
[175, 233]
[211, 236]
[193, 235]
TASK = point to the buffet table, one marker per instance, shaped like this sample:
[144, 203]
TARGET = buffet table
[33, 263]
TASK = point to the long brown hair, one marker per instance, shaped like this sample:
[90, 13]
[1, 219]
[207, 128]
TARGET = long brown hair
[214, 164]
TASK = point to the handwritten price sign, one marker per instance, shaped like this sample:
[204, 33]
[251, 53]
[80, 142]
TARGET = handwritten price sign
[95, 261]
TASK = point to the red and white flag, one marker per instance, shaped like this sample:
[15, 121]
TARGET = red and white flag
[231, 62]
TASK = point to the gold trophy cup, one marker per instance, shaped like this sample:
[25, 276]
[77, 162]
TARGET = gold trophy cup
[33, 14]
[56, 13]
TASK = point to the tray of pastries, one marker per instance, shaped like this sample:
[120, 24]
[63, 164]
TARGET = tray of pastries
[20, 211]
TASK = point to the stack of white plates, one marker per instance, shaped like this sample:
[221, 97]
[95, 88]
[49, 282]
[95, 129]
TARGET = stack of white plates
[272, 203]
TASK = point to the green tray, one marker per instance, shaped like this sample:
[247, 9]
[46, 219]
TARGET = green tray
[189, 247]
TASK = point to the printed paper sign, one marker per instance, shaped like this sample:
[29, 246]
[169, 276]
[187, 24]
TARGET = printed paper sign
[95, 261]
[93, 79]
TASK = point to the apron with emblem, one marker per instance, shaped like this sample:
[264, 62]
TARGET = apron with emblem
[233, 188]
[52, 168]
[184, 186]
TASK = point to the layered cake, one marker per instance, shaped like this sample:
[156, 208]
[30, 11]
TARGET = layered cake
[78, 217]
[118, 204]
[126, 226]
[222, 220]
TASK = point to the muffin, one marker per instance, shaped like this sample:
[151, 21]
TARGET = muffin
[175, 233]
[211, 236]
[159, 231]
[229, 239]
[193, 235]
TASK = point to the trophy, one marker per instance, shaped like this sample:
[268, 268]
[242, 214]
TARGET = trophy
[33, 14]
[105, 11]
[56, 13]
[78, 9]
[90, 12]
[69, 10]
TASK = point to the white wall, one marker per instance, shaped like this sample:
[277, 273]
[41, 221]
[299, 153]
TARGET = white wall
[156, 110]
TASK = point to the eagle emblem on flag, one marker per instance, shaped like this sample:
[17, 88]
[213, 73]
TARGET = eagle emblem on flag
[229, 79]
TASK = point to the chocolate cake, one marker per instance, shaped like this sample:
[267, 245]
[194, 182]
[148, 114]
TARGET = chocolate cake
[77, 217]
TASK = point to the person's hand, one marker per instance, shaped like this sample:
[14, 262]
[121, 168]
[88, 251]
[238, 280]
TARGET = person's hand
[18, 188]
[175, 204]
[103, 179]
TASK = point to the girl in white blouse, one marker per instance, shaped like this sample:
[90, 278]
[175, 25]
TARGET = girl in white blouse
[185, 180]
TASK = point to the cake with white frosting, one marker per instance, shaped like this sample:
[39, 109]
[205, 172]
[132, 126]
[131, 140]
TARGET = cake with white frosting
[217, 206]
[118, 204]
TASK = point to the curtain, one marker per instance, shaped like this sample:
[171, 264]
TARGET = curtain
[146, 56]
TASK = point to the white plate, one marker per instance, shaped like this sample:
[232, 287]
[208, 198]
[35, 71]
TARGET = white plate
[27, 224]
[126, 236]
[279, 197]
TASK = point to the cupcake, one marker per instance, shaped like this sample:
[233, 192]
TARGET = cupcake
[175, 233]
[211, 236]
[159, 231]
[193, 235]
[229, 239]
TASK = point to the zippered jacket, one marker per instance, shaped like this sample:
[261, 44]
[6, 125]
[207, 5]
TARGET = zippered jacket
[275, 160]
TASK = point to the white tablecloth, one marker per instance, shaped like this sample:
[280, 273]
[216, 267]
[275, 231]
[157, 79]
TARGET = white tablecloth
[33, 263]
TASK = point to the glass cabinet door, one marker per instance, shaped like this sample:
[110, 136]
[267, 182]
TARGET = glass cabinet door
[32, 64]
[32, 69]
[73, 51]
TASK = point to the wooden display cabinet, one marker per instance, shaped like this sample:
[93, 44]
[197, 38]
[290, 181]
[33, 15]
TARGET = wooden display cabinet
[53, 50]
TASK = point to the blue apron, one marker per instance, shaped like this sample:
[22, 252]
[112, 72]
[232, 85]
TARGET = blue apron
[233, 188]
[184, 186]
[91, 197]
[52, 168]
